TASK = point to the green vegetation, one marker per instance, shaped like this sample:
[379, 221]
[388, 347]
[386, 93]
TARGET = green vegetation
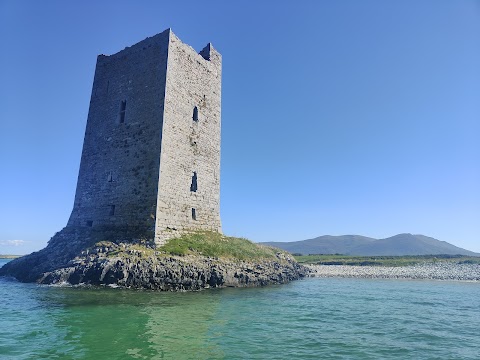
[337, 259]
[203, 243]
[9, 256]
[216, 245]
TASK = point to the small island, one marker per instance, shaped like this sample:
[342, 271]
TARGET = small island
[194, 261]
[146, 212]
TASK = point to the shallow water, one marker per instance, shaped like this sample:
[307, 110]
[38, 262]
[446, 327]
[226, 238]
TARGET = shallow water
[309, 319]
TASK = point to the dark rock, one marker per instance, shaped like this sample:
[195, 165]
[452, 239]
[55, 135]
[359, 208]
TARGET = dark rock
[122, 264]
[174, 273]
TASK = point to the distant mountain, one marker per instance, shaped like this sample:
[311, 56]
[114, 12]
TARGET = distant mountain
[401, 244]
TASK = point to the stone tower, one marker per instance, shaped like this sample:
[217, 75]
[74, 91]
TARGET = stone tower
[151, 153]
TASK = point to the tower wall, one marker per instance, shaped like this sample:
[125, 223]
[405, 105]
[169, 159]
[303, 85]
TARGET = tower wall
[148, 161]
[190, 146]
[121, 152]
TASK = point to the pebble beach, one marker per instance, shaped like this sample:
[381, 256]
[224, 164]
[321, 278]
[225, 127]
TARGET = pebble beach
[429, 271]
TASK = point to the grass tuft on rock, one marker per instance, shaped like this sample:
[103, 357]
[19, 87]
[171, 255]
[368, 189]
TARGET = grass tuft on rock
[213, 244]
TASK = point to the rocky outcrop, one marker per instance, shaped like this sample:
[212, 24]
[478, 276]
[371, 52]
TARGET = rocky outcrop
[62, 248]
[150, 269]
[67, 259]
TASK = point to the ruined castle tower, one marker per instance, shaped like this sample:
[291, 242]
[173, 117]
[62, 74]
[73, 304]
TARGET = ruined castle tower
[151, 153]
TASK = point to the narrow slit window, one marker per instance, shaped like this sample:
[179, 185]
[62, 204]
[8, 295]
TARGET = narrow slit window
[123, 106]
[112, 210]
[194, 214]
[110, 177]
[195, 114]
[193, 186]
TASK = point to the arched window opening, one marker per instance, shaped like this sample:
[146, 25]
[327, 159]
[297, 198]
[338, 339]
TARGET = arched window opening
[195, 114]
[193, 186]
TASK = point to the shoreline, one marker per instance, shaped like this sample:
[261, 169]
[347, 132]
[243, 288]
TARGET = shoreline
[425, 271]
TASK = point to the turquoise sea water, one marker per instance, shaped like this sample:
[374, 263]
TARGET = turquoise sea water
[309, 319]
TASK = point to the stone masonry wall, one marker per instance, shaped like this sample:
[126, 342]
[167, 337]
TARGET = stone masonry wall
[151, 153]
[190, 143]
[118, 177]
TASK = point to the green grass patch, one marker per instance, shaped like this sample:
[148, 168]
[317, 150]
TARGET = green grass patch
[384, 260]
[210, 244]
[217, 245]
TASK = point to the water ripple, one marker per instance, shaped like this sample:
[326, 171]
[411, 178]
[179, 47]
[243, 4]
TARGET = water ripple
[318, 318]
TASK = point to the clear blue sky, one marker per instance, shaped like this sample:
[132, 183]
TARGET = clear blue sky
[339, 117]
